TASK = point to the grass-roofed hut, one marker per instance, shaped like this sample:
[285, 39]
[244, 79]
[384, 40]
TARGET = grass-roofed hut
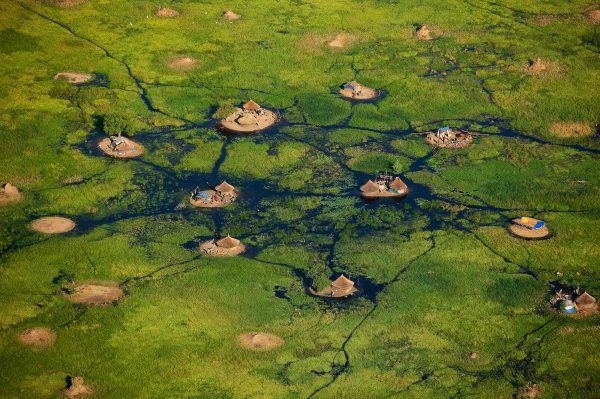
[530, 228]
[120, 147]
[226, 246]
[586, 303]
[384, 186]
[355, 91]
[217, 197]
[249, 119]
[342, 287]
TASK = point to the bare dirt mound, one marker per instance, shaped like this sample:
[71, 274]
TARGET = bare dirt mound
[91, 294]
[540, 67]
[530, 234]
[341, 40]
[572, 129]
[183, 63]
[38, 337]
[165, 12]
[9, 194]
[127, 149]
[64, 3]
[260, 342]
[53, 225]
[423, 33]
[593, 16]
[231, 16]
[74, 77]
[76, 388]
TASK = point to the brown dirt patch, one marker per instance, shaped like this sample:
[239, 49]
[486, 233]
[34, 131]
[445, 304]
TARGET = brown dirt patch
[9, 194]
[342, 40]
[183, 63]
[53, 225]
[76, 388]
[130, 149]
[165, 12]
[231, 16]
[74, 77]
[260, 341]
[94, 294]
[593, 16]
[38, 337]
[210, 248]
[531, 391]
[543, 68]
[64, 3]
[423, 33]
[572, 129]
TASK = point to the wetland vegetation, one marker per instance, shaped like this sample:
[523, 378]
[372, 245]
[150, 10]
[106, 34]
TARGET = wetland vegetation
[450, 304]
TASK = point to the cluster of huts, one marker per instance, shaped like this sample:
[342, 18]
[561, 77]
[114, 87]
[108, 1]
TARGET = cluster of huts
[217, 197]
[574, 303]
[446, 137]
[384, 186]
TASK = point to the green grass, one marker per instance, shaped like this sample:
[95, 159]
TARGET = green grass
[451, 279]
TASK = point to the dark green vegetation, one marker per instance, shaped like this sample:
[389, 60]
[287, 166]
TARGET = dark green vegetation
[442, 277]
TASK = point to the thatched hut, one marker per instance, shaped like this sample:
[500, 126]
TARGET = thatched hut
[222, 195]
[250, 118]
[384, 186]
[586, 302]
[356, 91]
[530, 228]
[342, 287]
[226, 246]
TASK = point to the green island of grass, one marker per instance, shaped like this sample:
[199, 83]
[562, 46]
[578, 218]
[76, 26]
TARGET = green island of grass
[114, 299]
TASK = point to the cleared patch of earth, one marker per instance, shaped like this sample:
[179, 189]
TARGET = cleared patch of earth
[259, 341]
[74, 77]
[95, 294]
[37, 337]
[183, 63]
[53, 225]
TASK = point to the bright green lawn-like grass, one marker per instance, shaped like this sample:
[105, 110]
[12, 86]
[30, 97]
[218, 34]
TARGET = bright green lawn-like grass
[441, 276]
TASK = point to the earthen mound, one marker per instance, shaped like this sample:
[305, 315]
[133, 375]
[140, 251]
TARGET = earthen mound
[250, 118]
[542, 67]
[227, 246]
[53, 225]
[524, 232]
[165, 12]
[91, 294]
[74, 77]
[76, 388]
[572, 129]
[9, 194]
[259, 342]
[231, 16]
[64, 3]
[593, 16]
[224, 194]
[341, 40]
[183, 63]
[355, 91]
[38, 337]
[120, 147]
[531, 391]
[423, 33]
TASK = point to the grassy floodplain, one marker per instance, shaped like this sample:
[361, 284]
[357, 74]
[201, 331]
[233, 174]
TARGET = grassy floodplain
[442, 277]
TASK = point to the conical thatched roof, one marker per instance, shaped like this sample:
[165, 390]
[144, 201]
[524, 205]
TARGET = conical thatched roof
[225, 187]
[251, 106]
[369, 186]
[342, 283]
[228, 242]
[585, 299]
[398, 184]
